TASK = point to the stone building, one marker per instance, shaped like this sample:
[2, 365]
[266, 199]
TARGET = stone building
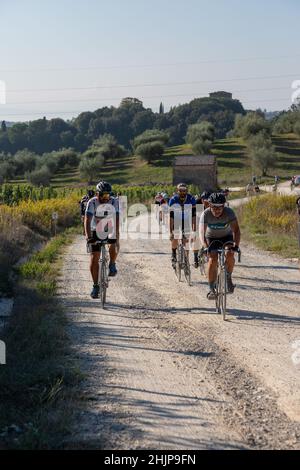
[200, 170]
[220, 94]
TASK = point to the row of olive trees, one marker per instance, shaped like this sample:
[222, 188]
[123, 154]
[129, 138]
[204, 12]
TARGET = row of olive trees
[36, 169]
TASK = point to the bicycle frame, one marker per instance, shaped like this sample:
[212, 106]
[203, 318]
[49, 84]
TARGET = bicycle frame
[183, 261]
[221, 285]
[103, 279]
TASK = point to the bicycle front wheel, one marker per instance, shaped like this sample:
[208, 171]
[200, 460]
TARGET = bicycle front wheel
[187, 268]
[223, 293]
[103, 276]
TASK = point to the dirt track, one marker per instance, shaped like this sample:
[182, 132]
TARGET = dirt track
[163, 371]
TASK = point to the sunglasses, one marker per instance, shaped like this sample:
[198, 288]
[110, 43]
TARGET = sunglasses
[105, 196]
[217, 206]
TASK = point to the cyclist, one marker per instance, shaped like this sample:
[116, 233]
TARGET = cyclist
[204, 199]
[219, 224]
[180, 201]
[164, 208]
[103, 198]
[298, 205]
[83, 202]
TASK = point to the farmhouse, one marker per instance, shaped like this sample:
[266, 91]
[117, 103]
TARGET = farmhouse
[200, 170]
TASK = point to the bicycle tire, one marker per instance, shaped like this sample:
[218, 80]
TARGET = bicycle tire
[202, 266]
[223, 293]
[217, 300]
[102, 275]
[178, 264]
[187, 268]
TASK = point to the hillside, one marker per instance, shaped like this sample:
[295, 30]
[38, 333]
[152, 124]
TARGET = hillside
[234, 166]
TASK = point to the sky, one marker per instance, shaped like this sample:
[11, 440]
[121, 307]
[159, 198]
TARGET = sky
[61, 57]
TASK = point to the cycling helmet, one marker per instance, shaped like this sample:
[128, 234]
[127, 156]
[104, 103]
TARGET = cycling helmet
[103, 187]
[182, 186]
[205, 195]
[217, 199]
[165, 196]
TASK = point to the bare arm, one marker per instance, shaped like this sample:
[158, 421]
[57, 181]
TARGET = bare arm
[236, 232]
[87, 225]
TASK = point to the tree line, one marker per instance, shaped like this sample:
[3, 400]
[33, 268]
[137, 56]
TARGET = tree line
[124, 123]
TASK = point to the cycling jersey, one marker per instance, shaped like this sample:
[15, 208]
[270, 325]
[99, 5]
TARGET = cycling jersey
[181, 209]
[93, 205]
[218, 227]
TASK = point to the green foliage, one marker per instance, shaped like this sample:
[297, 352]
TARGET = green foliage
[150, 136]
[89, 167]
[262, 152]
[250, 124]
[150, 151]
[39, 177]
[200, 137]
[14, 194]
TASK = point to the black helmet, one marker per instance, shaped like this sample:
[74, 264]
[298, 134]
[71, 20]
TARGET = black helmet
[103, 187]
[91, 193]
[205, 195]
[217, 199]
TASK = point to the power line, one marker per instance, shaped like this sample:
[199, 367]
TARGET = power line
[129, 66]
[43, 113]
[86, 100]
[141, 85]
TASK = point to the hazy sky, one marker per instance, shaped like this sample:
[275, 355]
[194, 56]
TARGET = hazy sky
[61, 57]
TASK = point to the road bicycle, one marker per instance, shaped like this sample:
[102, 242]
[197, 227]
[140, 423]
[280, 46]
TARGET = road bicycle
[182, 260]
[202, 260]
[221, 284]
[103, 279]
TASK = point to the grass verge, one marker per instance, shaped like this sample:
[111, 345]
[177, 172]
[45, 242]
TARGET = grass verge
[270, 222]
[38, 382]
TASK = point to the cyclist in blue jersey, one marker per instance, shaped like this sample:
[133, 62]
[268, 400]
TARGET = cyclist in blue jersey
[182, 218]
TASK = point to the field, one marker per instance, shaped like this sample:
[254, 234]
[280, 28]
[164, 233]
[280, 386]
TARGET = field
[234, 165]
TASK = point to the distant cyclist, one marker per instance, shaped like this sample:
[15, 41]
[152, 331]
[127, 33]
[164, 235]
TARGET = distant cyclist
[103, 199]
[84, 200]
[204, 197]
[83, 203]
[164, 208]
[180, 202]
[219, 225]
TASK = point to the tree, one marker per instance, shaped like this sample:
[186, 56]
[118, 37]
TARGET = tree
[250, 125]
[200, 137]
[39, 177]
[3, 126]
[108, 146]
[161, 108]
[148, 136]
[150, 151]
[262, 152]
[89, 168]
[24, 161]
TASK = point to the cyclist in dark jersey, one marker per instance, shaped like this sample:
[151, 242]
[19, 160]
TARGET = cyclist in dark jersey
[180, 202]
[219, 225]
